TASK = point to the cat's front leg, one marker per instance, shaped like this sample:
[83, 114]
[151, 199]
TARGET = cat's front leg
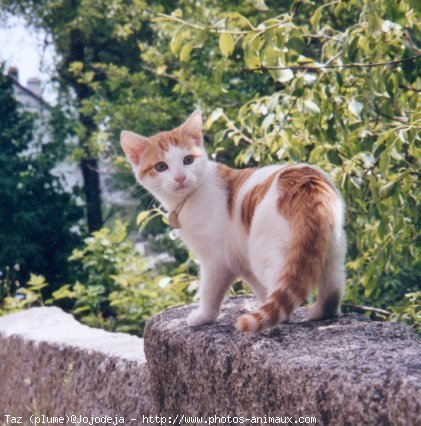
[214, 282]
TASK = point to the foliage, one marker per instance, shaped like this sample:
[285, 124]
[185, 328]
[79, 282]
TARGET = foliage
[118, 289]
[36, 215]
[333, 83]
[359, 123]
[24, 297]
[410, 311]
[97, 41]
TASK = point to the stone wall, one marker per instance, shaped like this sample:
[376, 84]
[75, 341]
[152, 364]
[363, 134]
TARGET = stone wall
[349, 371]
[52, 365]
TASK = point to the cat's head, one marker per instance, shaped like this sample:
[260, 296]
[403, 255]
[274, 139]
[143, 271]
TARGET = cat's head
[170, 164]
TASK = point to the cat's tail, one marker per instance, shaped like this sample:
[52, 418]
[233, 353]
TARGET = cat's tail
[306, 201]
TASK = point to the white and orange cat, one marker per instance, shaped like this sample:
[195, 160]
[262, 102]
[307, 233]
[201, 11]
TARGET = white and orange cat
[279, 228]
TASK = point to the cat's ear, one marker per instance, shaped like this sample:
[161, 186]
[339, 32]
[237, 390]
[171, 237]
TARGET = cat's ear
[192, 127]
[133, 145]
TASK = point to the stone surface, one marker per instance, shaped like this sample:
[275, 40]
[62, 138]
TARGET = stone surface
[349, 371]
[50, 364]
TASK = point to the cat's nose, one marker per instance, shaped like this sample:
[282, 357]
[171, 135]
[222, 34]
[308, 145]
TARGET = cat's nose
[180, 178]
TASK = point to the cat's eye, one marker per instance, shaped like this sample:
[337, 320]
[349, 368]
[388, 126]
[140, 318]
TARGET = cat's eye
[188, 159]
[161, 167]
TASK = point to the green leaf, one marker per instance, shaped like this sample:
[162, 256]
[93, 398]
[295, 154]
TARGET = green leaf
[374, 22]
[142, 216]
[200, 38]
[283, 76]
[384, 163]
[270, 56]
[239, 19]
[296, 44]
[176, 41]
[311, 107]
[37, 281]
[352, 49]
[388, 189]
[355, 107]
[260, 5]
[396, 155]
[251, 59]
[216, 114]
[185, 52]
[226, 44]
[178, 13]
[63, 292]
[314, 20]
[334, 157]
[382, 138]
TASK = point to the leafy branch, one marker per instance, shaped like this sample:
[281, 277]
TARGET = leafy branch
[360, 308]
[258, 30]
[328, 66]
[156, 73]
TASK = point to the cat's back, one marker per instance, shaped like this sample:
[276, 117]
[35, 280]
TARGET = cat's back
[236, 183]
[264, 190]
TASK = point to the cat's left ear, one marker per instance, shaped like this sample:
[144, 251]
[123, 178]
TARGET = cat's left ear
[192, 127]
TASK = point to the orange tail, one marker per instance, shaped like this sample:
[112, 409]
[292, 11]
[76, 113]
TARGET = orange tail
[305, 200]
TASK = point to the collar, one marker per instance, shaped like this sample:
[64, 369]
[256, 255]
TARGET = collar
[173, 220]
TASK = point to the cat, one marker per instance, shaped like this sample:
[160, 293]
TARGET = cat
[279, 227]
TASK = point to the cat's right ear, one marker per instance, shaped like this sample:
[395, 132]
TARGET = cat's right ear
[133, 146]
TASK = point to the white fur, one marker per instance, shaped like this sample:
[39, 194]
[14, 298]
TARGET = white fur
[221, 244]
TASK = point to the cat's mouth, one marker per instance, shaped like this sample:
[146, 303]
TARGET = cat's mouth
[181, 188]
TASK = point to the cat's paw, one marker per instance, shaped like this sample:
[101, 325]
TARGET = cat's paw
[317, 313]
[198, 317]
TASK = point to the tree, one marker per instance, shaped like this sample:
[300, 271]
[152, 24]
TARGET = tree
[84, 34]
[335, 84]
[35, 213]
[104, 49]
[347, 76]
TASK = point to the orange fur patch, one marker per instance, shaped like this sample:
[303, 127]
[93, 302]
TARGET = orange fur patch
[245, 324]
[174, 137]
[159, 144]
[305, 200]
[232, 180]
[253, 197]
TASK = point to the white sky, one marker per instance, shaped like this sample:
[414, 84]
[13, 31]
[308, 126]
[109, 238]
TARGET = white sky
[23, 47]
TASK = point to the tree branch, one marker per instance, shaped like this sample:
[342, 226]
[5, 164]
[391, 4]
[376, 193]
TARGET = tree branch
[158, 74]
[399, 119]
[258, 30]
[367, 309]
[414, 89]
[352, 65]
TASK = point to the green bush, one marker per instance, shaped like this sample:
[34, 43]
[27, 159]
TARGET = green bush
[36, 213]
[332, 83]
[409, 312]
[26, 296]
[118, 289]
